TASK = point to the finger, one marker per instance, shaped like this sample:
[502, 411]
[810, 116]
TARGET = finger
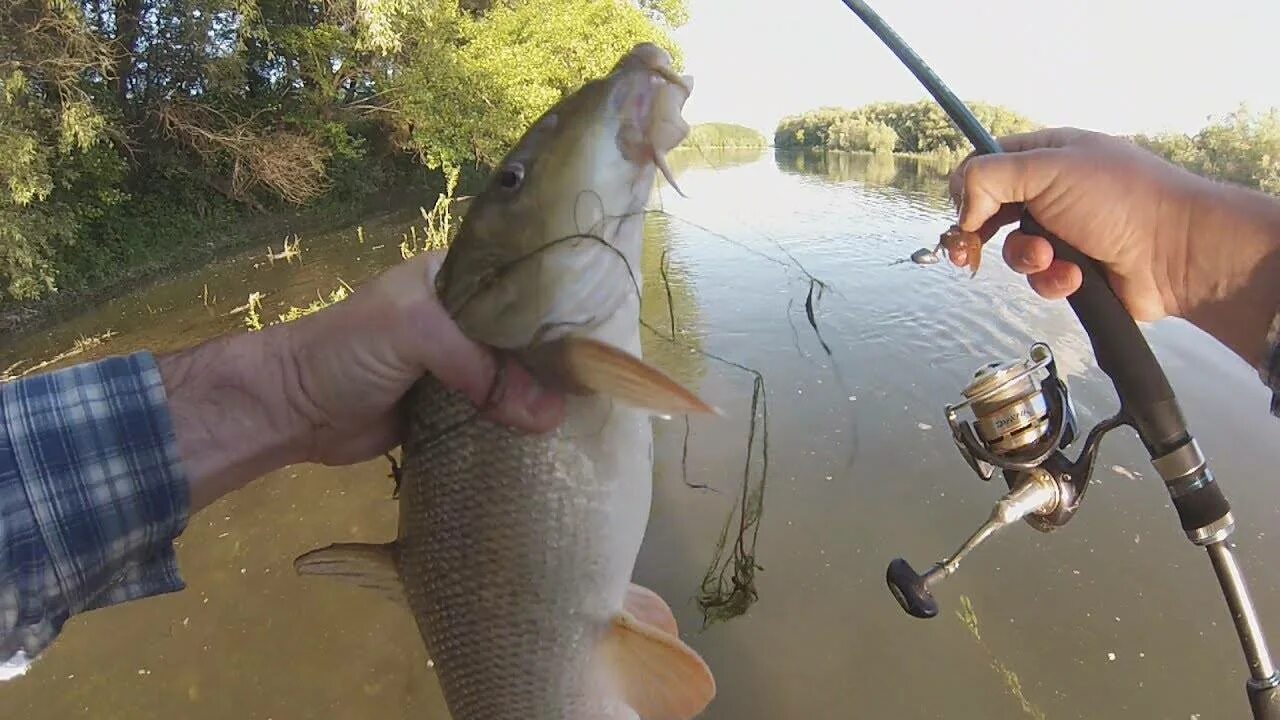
[1058, 281]
[511, 397]
[373, 439]
[1006, 215]
[1055, 137]
[955, 182]
[1017, 142]
[993, 181]
[1027, 254]
[518, 399]
[505, 390]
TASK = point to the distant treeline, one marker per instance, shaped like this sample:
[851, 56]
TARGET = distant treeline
[724, 135]
[919, 127]
[1241, 148]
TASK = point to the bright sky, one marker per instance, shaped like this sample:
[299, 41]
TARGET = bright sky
[1118, 66]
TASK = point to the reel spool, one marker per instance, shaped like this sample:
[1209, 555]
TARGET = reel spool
[1018, 423]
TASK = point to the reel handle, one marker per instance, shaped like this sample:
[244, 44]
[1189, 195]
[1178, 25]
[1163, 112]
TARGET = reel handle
[911, 589]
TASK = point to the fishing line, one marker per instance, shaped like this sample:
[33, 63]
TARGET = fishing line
[817, 288]
[720, 598]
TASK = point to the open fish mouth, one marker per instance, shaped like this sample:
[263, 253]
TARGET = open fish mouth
[650, 103]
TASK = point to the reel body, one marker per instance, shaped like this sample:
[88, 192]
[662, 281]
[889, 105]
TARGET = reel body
[1022, 421]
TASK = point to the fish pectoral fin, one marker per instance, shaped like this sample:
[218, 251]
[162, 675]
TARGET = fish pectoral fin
[375, 567]
[657, 675]
[584, 366]
[649, 608]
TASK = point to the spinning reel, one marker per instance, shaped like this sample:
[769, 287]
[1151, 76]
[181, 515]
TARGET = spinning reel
[1021, 424]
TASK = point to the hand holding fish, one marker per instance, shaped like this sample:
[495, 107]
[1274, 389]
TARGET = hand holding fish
[324, 388]
[1171, 243]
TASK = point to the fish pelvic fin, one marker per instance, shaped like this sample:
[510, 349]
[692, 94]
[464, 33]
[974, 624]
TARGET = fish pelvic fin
[649, 608]
[655, 673]
[371, 566]
[585, 366]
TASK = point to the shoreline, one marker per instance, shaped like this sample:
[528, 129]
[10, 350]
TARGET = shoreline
[236, 238]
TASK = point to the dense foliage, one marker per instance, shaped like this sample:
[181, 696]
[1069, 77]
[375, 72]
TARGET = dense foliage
[920, 127]
[724, 135]
[129, 128]
[1242, 148]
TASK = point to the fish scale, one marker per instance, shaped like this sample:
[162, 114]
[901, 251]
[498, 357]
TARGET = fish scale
[534, 504]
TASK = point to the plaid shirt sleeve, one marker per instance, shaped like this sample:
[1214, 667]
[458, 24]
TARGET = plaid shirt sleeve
[92, 496]
[1270, 369]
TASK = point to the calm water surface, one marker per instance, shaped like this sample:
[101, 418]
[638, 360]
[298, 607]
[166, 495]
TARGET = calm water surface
[1114, 616]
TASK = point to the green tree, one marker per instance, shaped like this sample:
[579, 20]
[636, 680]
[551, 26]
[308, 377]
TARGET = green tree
[127, 126]
[723, 135]
[1241, 148]
[920, 127]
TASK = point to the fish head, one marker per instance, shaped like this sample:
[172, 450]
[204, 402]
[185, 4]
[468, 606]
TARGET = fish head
[552, 244]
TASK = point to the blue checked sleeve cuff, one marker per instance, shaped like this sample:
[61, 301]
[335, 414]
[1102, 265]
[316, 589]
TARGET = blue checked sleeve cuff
[1270, 369]
[92, 495]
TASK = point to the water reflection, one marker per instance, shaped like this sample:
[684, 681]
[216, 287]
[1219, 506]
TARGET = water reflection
[683, 159]
[920, 176]
[670, 337]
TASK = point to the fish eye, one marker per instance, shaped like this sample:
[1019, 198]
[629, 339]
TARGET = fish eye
[511, 176]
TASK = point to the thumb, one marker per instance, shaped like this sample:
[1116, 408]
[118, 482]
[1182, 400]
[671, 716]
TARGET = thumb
[993, 181]
[494, 382]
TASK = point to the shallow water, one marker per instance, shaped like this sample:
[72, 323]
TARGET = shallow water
[1114, 616]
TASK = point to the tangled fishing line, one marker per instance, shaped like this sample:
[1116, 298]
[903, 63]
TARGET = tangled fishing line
[728, 587]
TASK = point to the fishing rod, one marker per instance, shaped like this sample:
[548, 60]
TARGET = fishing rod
[1022, 422]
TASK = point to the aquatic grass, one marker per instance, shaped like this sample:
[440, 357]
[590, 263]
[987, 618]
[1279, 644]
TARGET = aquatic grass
[78, 347]
[337, 295]
[253, 308]
[728, 587]
[969, 618]
[252, 318]
[288, 253]
[438, 231]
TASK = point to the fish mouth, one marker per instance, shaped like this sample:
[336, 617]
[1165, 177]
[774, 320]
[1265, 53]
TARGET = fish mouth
[649, 97]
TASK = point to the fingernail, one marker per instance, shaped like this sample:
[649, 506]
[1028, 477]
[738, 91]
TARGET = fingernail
[1027, 259]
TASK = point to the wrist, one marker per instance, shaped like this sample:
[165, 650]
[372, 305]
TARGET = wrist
[1231, 283]
[230, 411]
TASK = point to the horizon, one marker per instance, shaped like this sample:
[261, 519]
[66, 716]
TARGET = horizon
[1081, 65]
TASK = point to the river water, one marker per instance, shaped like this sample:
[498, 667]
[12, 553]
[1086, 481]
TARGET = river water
[1114, 616]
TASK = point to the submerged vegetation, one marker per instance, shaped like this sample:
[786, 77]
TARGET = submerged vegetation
[131, 130]
[969, 619]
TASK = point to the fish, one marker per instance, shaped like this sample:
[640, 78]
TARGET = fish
[955, 239]
[515, 552]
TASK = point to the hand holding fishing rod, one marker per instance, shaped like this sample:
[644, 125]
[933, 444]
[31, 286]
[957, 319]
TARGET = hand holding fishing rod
[1021, 426]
